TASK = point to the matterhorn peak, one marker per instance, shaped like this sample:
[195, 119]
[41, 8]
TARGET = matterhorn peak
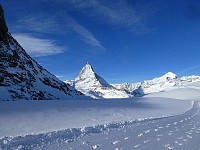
[93, 85]
[86, 72]
[88, 67]
[89, 77]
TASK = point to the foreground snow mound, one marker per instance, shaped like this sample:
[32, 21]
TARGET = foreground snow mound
[162, 83]
[21, 77]
[91, 84]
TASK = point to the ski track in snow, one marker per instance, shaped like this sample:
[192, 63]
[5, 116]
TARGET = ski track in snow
[181, 132]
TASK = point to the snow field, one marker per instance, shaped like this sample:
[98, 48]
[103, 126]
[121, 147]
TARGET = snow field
[175, 132]
[181, 132]
[35, 117]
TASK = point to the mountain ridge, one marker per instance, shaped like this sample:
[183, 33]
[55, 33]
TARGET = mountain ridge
[21, 77]
[88, 83]
[164, 82]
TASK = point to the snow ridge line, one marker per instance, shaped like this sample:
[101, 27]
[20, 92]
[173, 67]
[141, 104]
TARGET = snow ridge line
[69, 135]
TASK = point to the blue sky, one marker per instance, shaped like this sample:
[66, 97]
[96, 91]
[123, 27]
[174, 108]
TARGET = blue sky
[124, 40]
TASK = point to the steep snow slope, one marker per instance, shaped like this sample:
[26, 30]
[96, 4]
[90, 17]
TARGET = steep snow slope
[91, 84]
[162, 83]
[21, 77]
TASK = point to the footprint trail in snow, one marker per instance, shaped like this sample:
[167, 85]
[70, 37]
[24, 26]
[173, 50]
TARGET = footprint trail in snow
[180, 132]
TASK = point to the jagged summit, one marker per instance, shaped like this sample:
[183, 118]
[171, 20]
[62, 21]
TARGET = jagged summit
[93, 85]
[87, 71]
[88, 77]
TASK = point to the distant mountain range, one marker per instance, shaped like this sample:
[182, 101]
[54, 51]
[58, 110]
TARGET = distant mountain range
[21, 77]
[166, 82]
[93, 85]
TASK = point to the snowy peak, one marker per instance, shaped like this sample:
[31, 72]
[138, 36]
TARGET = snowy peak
[86, 72]
[166, 82]
[93, 85]
[168, 76]
[88, 77]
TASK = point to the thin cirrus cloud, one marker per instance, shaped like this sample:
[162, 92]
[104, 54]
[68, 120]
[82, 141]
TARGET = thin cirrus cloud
[85, 34]
[39, 23]
[116, 12]
[59, 23]
[189, 69]
[37, 47]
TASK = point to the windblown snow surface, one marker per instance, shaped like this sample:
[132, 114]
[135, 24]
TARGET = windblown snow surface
[137, 123]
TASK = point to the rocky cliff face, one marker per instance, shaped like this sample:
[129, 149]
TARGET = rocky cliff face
[3, 27]
[21, 77]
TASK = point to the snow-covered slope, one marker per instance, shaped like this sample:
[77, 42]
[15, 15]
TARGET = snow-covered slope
[165, 82]
[91, 84]
[21, 77]
[120, 124]
[185, 92]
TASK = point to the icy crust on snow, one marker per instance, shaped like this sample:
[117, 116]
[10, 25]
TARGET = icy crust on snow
[23, 78]
[52, 140]
[34, 117]
[165, 82]
[91, 84]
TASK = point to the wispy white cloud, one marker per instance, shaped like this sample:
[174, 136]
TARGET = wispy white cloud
[117, 12]
[86, 35]
[37, 47]
[58, 23]
[189, 69]
[37, 23]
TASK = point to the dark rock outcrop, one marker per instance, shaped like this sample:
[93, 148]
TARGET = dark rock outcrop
[3, 27]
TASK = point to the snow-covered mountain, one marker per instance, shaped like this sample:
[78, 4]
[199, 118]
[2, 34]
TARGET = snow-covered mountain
[165, 82]
[21, 77]
[91, 84]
